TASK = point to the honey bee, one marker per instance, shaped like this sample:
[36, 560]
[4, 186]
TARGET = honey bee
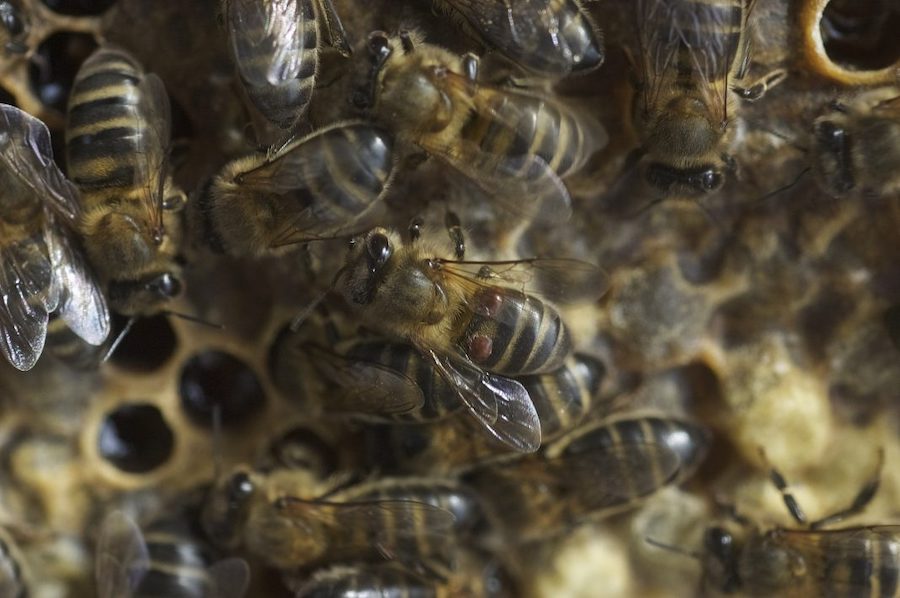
[163, 560]
[854, 561]
[117, 139]
[291, 521]
[550, 37]
[15, 580]
[693, 58]
[42, 270]
[275, 45]
[515, 145]
[473, 330]
[598, 470]
[856, 146]
[13, 27]
[310, 187]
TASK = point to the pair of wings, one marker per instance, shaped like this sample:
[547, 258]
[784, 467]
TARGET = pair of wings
[676, 34]
[45, 272]
[123, 560]
[503, 406]
[346, 157]
[527, 31]
[390, 529]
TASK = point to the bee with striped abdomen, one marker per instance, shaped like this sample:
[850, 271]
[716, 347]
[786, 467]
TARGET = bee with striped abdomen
[42, 269]
[275, 45]
[514, 144]
[291, 520]
[552, 38]
[165, 559]
[595, 471]
[473, 320]
[117, 142]
[319, 185]
[692, 58]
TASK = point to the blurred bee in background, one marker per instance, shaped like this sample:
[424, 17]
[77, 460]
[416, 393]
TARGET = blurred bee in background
[275, 45]
[42, 270]
[117, 141]
[461, 317]
[292, 521]
[856, 145]
[13, 27]
[166, 559]
[319, 185]
[854, 561]
[692, 62]
[598, 470]
[15, 578]
[552, 38]
[515, 145]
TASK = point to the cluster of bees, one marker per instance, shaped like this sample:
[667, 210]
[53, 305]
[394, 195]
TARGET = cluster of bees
[480, 301]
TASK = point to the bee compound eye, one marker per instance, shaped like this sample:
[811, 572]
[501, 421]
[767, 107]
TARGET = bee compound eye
[711, 180]
[168, 285]
[378, 44]
[718, 541]
[240, 486]
[379, 250]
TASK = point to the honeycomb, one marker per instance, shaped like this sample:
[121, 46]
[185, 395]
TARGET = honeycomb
[769, 312]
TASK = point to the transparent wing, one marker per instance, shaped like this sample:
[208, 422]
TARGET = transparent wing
[229, 578]
[525, 30]
[122, 558]
[557, 279]
[82, 304]
[362, 386]
[267, 39]
[25, 150]
[389, 528]
[154, 118]
[501, 405]
[29, 296]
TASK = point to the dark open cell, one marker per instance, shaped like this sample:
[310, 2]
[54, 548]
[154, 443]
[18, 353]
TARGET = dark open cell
[216, 379]
[135, 438]
[147, 346]
[53, 67]
[862, 34]
[79, 8]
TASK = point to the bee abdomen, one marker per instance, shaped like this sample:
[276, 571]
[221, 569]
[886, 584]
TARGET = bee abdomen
[517, 336]
[178, 564]
[70, 348]
[103, 138]
[870, 562]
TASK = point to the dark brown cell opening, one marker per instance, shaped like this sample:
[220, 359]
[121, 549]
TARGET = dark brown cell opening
[215, 379]
[53, 67]
[79, 8]
[147, 346]
[135, 438]
[862, 34]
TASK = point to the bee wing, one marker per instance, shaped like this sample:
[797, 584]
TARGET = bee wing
[524, 30]
[818, 549]
[272, 30]
[229, 578]
[385, 525]
[364, 387]
[501, 405]
[557, 279]
[153, 154]
[122, 557]
[706, 33]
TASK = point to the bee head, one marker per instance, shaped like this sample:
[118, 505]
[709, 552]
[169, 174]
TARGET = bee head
[145, 295]
[227, 507]
[367, 259]
[721, 559]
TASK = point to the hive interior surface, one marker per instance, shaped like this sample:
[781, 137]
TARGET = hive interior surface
[773, 318]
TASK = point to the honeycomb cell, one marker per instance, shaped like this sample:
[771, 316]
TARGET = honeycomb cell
[136, 438]
[79, 8]
[53, 67]
[861, 35]
[147, 346]
[217, 379]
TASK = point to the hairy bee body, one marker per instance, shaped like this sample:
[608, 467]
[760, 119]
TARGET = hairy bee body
[552, 38]
[316, 185]
[117, 139]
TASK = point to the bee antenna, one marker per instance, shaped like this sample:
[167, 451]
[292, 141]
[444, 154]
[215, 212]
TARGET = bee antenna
[119, 338]
[301, 317]
[783, 188]
[671, 548]
[192, 318]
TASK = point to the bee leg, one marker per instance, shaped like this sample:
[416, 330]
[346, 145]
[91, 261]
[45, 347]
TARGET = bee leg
[862, 499]
[406, 41]
[759, 88]
[336, 33]
[454, 229]
[781, 485]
